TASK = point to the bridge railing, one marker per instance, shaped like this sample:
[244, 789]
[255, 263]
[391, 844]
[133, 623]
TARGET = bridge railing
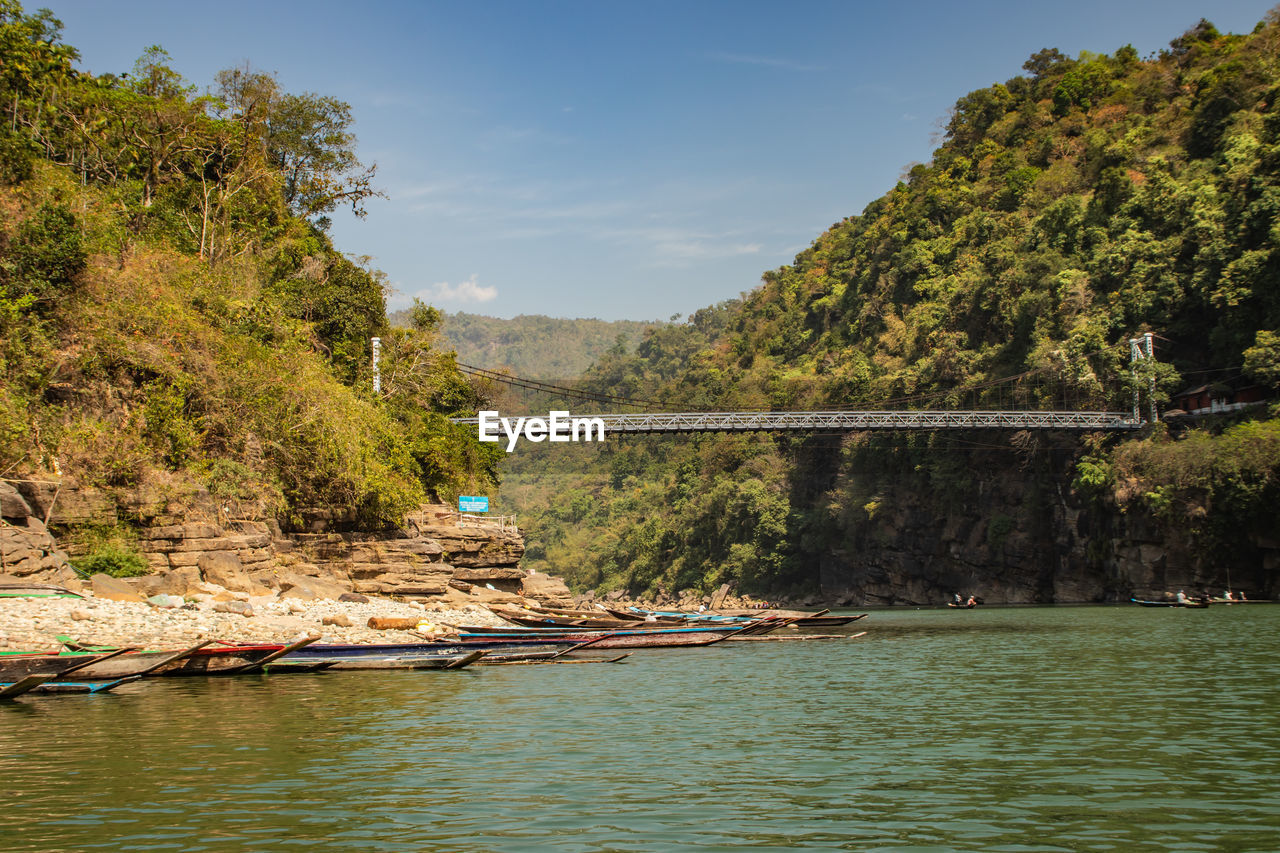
[854, 421]
[504, 523]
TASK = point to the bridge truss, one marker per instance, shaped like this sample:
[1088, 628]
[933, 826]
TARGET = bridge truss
[853, 421]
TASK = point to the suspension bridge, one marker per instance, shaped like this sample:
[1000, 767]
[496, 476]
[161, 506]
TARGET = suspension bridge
[836, 421]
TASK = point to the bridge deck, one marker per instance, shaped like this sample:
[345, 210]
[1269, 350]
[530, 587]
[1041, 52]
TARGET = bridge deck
[677, 422]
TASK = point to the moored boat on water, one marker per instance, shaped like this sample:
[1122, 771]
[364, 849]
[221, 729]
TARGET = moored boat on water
[631, 638]
[52, 686]
[107, 665]
[799, 618]
[1189, 603]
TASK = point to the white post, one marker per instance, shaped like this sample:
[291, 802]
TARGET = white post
[1151, 354]
[1134, 358]
[377, 376]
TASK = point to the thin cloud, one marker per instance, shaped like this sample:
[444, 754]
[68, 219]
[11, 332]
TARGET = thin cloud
[765, 61]
[694, 250]
[464, 291]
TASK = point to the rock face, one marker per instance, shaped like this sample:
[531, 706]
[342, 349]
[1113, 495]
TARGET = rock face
[27, 550]
[68, 503]
[432, 551]
[1022, 536]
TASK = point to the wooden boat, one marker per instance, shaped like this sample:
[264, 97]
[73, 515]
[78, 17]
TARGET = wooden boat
[53, 686]
[742, 617]
[638, 639]
[494, 649]
[1194, 605]
[14, 689]
[404, 661]
[35, 590]
[550, 661]
[120, 663]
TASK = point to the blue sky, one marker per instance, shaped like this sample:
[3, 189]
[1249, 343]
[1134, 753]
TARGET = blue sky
[621, 160]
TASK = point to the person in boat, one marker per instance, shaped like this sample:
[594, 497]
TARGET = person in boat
[972, 602]
[1182, 597]
[959, 601]
[1226, 595]
[1242, 597]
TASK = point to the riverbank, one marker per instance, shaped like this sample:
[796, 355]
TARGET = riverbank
[34, 624]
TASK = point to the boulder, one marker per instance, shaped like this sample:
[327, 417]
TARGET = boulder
[179, 581]
[354, 597]
[308, 588]
[224, 569]
[105, 586]
[545, 587]
[493, 596]
[12, 504]
[243, 608]
[341, 620]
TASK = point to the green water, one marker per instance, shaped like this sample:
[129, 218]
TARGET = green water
[1117, 728]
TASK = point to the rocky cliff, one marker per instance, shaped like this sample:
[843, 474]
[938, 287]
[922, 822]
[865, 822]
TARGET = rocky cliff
[1021, 535]
[435, 553]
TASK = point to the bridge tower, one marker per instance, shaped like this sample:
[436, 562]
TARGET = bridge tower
[1143, 349]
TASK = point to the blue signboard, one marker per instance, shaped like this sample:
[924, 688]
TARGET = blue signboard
[466, 503]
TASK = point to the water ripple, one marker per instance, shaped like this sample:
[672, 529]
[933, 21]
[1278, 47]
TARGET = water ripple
[1094, 729]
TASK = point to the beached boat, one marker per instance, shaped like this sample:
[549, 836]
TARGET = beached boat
[401, 661]
[495, 649]
[627, 639]
[799, 618]
[202, 659]
[35, 590]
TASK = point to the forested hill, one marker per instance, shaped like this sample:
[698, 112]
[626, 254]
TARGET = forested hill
[535, 346]
[1069, 208]
[174, 319]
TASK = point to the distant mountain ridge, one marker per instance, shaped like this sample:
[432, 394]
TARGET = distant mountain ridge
[536, 346]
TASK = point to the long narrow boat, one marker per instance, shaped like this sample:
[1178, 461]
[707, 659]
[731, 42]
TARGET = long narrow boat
[1194, 605]
[401, 661]
[79, 686]
[494, 649]
[121, 663]
[35, 590]
[638, 639]
[799, 617]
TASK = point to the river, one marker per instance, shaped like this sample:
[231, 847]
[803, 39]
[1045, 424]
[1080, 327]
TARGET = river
[1049, 728]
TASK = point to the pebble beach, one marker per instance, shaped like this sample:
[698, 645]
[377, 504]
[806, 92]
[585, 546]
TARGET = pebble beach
[34, 624]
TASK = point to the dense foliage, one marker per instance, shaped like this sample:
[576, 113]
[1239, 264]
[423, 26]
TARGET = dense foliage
[1067, 210]
[173, 315]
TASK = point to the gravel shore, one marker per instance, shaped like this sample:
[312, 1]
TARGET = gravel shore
[33, 624]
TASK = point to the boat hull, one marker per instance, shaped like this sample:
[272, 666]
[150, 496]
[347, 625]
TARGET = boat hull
[202, 662]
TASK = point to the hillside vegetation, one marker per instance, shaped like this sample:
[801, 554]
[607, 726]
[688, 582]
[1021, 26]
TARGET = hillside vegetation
[538, 347]
[1068, 209]
[174, 318]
